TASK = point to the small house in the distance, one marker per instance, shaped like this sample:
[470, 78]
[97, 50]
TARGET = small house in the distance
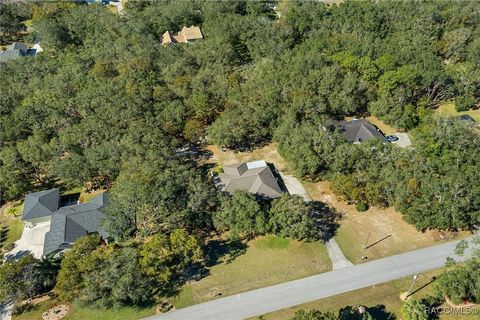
[255, 177]
[15, 50]
[360, 130]
[186, 35]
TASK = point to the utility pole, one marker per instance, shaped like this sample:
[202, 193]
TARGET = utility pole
[411, 287]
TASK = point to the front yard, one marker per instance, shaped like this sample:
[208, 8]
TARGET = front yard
[265, 261]
[82, 313]
[373, 225]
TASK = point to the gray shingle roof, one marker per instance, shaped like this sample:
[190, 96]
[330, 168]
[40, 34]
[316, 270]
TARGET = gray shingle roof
[15, 50]
[254, 177]
[72, 222]
[360, 130]
[40, 204]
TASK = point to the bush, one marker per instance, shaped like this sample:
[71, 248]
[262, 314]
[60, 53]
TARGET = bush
[465, 102]
[361, 206]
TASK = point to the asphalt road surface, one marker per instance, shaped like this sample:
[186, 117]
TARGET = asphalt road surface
[288, 294]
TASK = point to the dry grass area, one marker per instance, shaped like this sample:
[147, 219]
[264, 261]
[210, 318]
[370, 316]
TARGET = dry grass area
[386, 129]
[448, 110]
[374, 225]
[267, 260]
[381, 300]
[268, 153]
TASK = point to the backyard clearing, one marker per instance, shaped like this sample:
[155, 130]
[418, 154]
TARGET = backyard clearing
[360, 229]
[268, 153]
[382, 301]
[448, 110]
[267, 260]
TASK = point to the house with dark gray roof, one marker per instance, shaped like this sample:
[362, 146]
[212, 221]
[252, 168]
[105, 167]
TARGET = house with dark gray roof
[39, 206]
[255, 177]
[68, 221]
[15, 50]
[72, 222]
[359, 130]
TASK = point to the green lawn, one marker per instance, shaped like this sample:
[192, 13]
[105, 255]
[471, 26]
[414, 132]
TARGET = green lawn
[381, 299]
[12, 226]
[267, 260]
[79, 313]
[448, 110]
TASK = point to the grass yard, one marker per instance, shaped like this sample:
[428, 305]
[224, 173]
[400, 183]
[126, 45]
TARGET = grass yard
[267, 260]
[12, 225]
[374, 224]
[382, 300]
[79, 313]
[386, 129]
[448, 110]
[268, 153]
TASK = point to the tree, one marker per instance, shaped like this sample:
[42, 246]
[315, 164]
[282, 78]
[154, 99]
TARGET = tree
[159, 195]
[241, 215]
[116, 280]
[166, 259]
[20, 279]
[12, 16]
[414, 310]
[70, 280]
[289, 216]
[459, 282]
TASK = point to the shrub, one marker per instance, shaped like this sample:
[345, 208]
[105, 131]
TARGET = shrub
[361, 206]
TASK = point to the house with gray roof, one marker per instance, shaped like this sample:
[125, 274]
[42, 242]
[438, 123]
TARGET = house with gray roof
[39, 206]
[72, 222]
[359, 130]
[255, 177]
[15, 50]
[68, 221]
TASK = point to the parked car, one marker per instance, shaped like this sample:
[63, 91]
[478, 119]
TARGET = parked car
[392, 138]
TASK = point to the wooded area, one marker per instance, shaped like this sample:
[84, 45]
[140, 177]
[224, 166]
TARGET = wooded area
[107, 102]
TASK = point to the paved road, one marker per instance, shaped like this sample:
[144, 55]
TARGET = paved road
[288, 294]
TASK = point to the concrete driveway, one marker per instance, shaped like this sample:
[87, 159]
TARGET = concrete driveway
[339, 261]
[403, 139]
[31, 241]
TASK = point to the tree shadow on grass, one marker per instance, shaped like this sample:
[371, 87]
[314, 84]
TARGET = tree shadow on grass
[4, 230]
[379, 312]
[223, 251]
[327, 219]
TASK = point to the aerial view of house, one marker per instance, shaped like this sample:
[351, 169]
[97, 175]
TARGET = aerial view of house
[246, 159]
[186, 35]
[255, 177]
[65, 220]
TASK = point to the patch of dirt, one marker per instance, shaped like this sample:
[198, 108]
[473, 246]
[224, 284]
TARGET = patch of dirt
[57, 312]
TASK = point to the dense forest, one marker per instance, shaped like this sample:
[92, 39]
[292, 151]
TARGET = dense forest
[107, 103]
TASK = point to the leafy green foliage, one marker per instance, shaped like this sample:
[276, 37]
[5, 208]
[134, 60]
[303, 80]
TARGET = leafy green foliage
[166, 260]
[289, 216]
[241, 214]
[459, 282]
[25, 278]
[414, 310]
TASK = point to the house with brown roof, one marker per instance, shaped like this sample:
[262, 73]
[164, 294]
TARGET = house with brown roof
[186, 35]
[255, 177]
